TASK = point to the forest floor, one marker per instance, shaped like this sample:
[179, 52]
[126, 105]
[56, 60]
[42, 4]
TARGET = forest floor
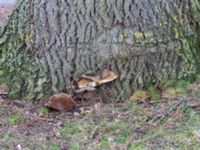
[172, 123]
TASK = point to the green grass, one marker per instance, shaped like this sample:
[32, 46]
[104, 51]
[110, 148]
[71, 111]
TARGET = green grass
[127, 125]
[71, 128]
[2, 110]
[198, 94]
[14, 94]
[9, 136]
[105, 143]
[12, 119]
[43, 111]
[54, 146]
[74, 147]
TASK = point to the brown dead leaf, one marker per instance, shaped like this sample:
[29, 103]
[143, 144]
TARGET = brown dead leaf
[175, 91]
[62, 102]
[140, 95]
[169, 92]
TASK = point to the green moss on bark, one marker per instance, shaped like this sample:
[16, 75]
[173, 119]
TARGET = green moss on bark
[41, 48]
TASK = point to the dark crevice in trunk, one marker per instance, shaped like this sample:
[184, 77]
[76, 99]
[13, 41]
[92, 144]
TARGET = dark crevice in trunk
[142, 41]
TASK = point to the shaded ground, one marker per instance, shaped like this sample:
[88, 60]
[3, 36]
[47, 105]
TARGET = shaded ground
[168, 124]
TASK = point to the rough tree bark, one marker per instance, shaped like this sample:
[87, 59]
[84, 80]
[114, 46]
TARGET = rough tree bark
[47, 42]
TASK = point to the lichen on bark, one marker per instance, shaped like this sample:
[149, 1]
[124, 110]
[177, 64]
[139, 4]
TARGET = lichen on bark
[48, 42]
[17, 57]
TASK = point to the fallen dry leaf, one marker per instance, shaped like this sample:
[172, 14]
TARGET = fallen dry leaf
[170, 92]
[175, 91]
[62, 102]
[140, 95]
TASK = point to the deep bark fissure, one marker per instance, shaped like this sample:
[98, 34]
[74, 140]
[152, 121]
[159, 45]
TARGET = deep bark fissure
[143, 41]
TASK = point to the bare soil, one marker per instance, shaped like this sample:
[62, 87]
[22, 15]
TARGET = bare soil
[166, 124]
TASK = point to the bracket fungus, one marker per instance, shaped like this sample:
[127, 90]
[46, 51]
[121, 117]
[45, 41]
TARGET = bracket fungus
[89, 83]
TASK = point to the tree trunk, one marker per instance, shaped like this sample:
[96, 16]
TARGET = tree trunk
[48, 42]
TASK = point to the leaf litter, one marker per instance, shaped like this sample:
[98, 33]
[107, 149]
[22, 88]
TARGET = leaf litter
[126, 125]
